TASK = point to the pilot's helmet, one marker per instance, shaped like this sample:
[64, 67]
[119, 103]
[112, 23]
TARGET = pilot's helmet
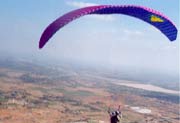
[113, 113]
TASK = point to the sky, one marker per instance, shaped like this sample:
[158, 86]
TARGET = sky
[113, 40]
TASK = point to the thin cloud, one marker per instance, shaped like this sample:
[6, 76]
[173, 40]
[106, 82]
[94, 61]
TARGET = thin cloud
[80, 4]
[132, 32]
[84, 4]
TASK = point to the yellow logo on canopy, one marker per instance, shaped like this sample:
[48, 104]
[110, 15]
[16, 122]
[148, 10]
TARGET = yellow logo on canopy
[156, 19]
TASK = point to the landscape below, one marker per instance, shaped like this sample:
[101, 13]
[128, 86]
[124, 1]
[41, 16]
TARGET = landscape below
[34, 93]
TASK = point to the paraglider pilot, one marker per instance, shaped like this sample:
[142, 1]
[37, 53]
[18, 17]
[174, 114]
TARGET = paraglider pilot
[115, 116]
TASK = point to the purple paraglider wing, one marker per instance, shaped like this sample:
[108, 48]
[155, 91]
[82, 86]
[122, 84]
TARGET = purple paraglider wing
[148, 15]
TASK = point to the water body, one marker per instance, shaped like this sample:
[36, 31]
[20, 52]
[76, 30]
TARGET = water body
[141, 110]
[149, 87]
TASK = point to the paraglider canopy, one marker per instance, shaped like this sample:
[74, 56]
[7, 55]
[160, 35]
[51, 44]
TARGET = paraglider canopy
[148, 15]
